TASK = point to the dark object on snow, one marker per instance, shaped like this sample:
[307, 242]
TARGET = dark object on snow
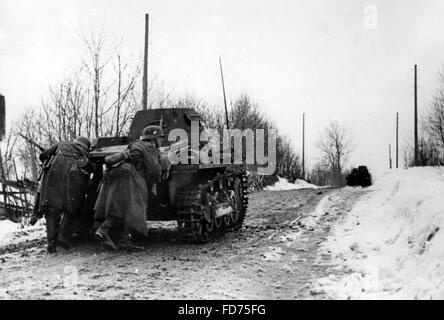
[359, 177]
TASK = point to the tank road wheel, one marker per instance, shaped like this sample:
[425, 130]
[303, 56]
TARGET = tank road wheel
[226, 221]
[209, 226]
[232, 217]
[218, 223]
[219, 189]
[198, 230]
[224, 191]
[239, 200]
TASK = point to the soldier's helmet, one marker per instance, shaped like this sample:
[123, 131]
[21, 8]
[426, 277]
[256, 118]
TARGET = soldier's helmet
[84, 142]
[152, 132]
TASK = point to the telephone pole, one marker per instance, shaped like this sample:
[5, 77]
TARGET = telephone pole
[2, 117]
[145, 65]
[390, 157]
[416, 117]
[397, 130]
[303, 146]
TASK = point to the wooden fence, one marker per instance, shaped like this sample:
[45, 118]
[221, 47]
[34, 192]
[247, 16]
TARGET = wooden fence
[17, 199]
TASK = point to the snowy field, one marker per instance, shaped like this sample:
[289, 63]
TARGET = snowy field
[393, 240]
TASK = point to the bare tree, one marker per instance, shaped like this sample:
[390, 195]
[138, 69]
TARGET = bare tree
[246, 114]
[431, 144]
[435, 118]
[95, 64]
[335, 146]
[320, 174]
[125, 103]
[80, 104]
[433, 126]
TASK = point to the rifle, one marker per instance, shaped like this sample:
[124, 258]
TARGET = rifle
[36, 212]
[32, 142]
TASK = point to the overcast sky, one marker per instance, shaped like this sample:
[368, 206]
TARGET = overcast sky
[291, 57]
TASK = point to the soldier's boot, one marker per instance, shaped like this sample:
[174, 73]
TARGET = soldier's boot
[52, 226]
[125, 242]
[64, 228]
[102, 233]
[83, 229]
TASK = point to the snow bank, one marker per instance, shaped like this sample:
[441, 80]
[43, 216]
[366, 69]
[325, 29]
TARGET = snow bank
[7, 227]
[393, 240]
[283, 184]
[11, 232]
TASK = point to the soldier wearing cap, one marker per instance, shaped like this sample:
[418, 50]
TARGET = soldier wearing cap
[123, 197]
[63, 188]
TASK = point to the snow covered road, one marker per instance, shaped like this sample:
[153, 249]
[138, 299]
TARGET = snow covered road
[276, 256]
[382, 242]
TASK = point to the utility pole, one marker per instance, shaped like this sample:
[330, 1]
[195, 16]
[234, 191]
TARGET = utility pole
[416, 118]
[390, 157]
[2, 117]
[3, 183]
[145, 65]
[397, 131]
[303, 146]
[223, 89]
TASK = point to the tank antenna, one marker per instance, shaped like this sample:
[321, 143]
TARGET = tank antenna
[223, 89]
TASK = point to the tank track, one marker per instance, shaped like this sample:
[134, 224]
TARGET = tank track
[196, 215]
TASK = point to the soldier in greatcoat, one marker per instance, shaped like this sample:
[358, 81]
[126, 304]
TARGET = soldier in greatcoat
[63, 188]
[123, 197]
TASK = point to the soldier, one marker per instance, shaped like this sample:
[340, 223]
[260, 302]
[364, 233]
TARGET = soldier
[63, 188]
[123, 196]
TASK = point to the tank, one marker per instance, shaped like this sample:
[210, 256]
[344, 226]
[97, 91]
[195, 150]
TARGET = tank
[206, 200]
